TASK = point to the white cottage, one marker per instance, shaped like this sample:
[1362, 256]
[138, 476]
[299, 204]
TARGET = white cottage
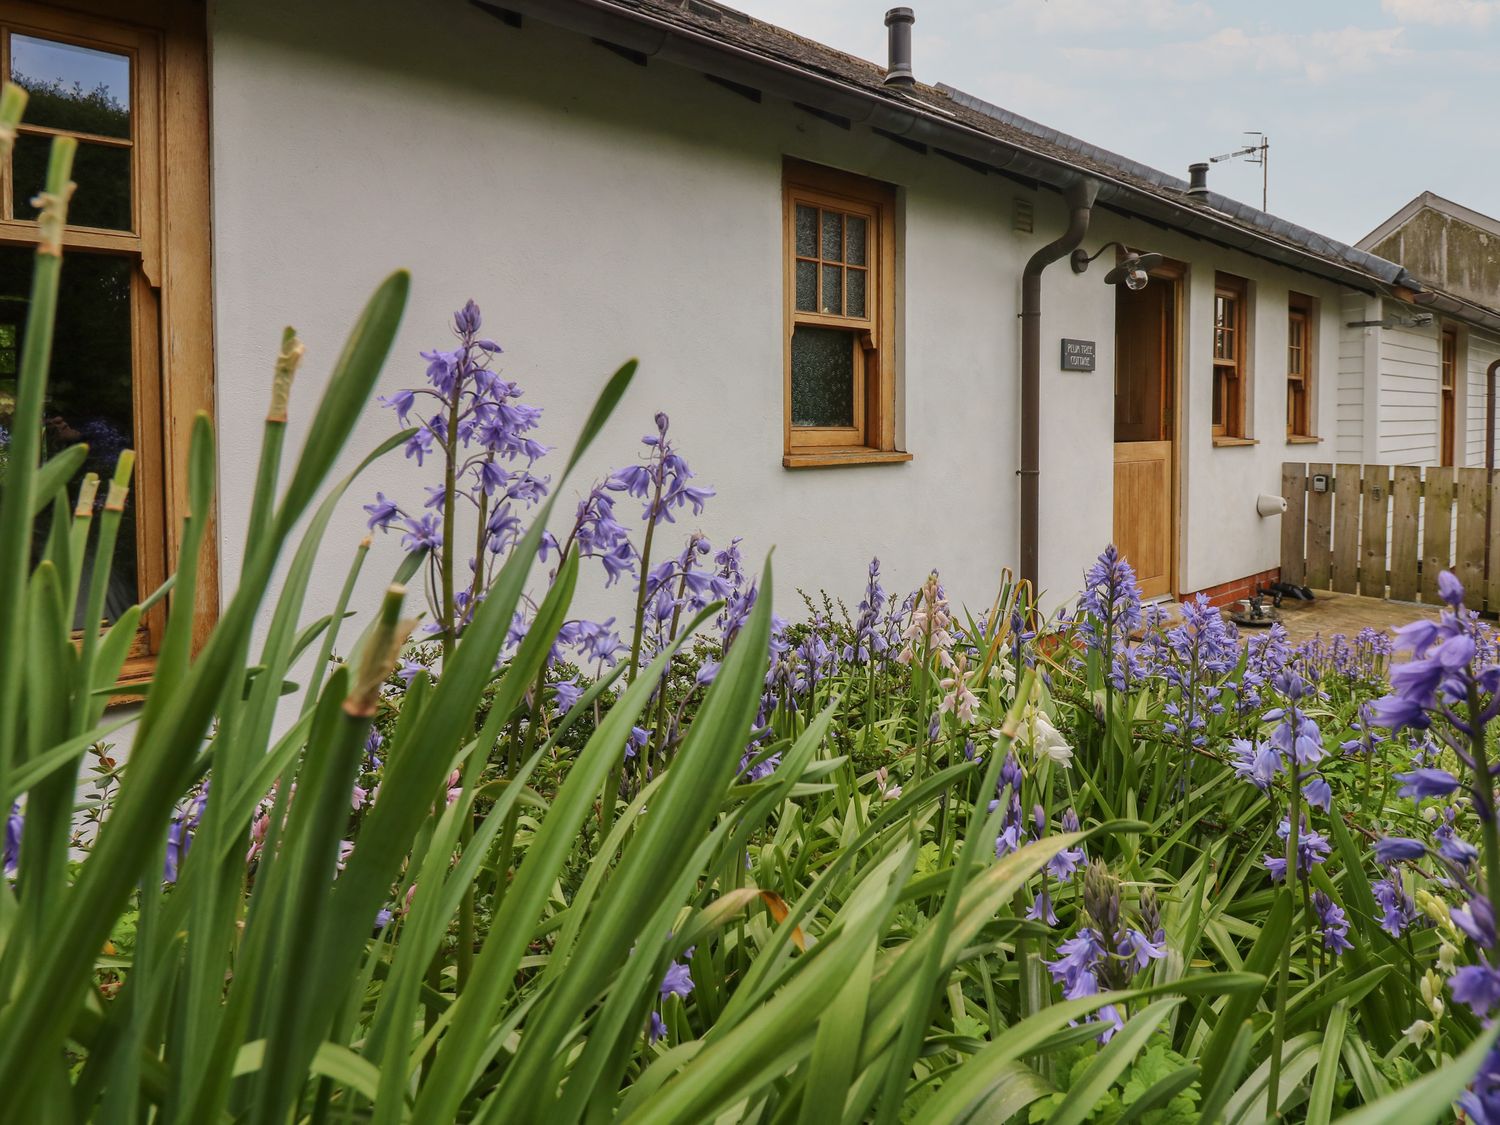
[866, 301]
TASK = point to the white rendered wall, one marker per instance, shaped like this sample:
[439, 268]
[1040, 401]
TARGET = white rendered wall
[597, 210]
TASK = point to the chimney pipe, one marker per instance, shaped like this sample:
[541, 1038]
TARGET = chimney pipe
[1198, 179]
[898, 64]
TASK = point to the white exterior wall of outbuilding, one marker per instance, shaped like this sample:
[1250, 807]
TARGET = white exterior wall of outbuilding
[598, 209]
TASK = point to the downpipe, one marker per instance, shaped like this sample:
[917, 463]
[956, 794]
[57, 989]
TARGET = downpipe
[1080, 197]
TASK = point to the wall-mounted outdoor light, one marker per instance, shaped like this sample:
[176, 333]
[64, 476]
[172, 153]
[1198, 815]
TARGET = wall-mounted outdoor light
[1133, 269]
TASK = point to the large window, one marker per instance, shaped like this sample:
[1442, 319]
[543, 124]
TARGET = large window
[1230, 367]
[839, 356]
[1301, 363]
[132, 357]
[1446, 404]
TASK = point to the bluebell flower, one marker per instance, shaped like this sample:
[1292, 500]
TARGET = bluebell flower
[676, 982]
[1333, 923]
[1420, 784]
[1140, 949]
[1312, 849]
[565, 694]
[15, 824]
[1317, 793]
[1041, 908]
[1477, 919]
[1477, 986]
[1393, 849]
[1397, 908]
[1256, 762]
[383, 512]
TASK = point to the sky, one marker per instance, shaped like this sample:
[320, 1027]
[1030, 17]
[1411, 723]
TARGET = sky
[1367, 103]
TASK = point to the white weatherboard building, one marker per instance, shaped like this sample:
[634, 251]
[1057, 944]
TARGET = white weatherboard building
[820, 263]
[1424, 371]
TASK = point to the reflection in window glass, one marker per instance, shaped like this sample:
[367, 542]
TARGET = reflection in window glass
[102, 173]
[822, 377]
[89, 393]
[74, 88]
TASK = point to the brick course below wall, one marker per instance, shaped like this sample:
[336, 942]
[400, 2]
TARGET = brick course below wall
[1227, 593]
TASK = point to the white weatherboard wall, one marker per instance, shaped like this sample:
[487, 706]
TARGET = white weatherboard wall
[597, 210]
[1410, 391]
[1482, 350]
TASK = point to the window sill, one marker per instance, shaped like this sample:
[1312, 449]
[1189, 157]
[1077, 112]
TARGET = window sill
[1303, 439]
[1218, 441]
[832, 457]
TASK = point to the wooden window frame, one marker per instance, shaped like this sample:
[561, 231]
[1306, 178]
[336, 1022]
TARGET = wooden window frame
[872, 437]
[171, 306]
[1231, 371]
[1447, 396]
[1301, 368]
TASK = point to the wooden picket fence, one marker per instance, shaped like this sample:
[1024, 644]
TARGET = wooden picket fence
[1387, 531]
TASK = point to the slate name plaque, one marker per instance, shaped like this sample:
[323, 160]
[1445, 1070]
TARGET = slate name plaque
[1077, 355]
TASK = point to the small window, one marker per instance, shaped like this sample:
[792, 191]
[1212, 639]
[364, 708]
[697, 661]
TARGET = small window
[1230, 368]
[839, 377]
[1301, 361]
[1449, 373]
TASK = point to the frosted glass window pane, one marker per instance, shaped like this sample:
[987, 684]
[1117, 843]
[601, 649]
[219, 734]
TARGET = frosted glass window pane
[854, 300]
[833, 290]
[822, 377]
[807, 231]
[856, 240]
[833, 236]
[74, 88]
[807, 287]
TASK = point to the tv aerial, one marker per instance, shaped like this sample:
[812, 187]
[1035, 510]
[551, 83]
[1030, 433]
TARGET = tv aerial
[1257, 151]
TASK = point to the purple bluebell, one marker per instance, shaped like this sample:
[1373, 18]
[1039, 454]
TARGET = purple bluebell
[1041, 908]
[1137, 947]
[383, 512]
[1255, 762]
[1420, 784]
[676, 981]
[565, 694]
[1317, 793]
[1477, 986]
[1393, 849]
[1333, 923]
[1398, 911]
[15, 824]
[1477, 919]
[1312, 849]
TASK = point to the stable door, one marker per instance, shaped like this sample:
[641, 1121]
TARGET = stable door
[1145, 518]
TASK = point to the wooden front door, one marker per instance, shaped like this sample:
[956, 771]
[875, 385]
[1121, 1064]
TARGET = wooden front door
[1145, 393]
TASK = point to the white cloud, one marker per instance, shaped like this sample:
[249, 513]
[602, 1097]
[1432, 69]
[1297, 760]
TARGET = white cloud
[1075, 16]
[1315, 56]
[1443, 13]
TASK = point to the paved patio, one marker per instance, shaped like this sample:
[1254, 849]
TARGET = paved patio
[1330, 614]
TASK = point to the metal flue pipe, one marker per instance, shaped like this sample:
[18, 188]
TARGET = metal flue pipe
[1080, 198]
